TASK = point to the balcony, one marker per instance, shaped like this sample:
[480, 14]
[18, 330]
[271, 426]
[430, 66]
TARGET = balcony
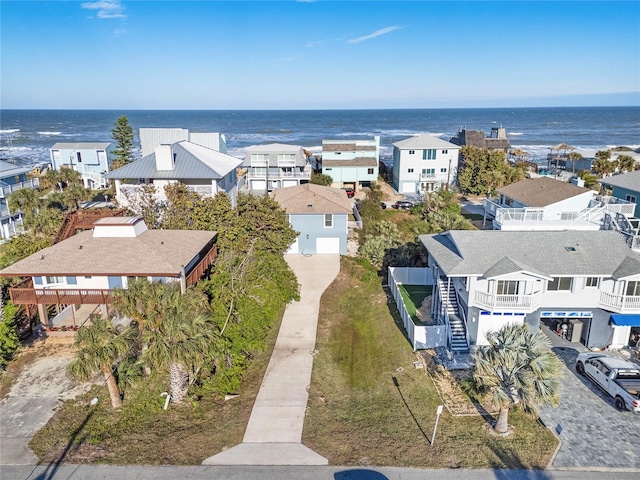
[620, 303]
[276, 175]
[9, 189]
[50, 296]
[134, 191]
[515, 303]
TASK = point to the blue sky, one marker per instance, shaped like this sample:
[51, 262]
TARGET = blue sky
[318, 54]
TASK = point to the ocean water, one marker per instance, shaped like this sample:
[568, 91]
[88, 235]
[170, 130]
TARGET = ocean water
[26, 135]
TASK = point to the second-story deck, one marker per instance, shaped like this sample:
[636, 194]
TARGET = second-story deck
[6, 190]
[518, 303]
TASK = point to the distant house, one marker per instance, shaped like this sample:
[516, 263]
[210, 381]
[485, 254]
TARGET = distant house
[84, 269]
[424, 163]
[320, 214]
[150, 138]
[625, 186]
[89, 159]
[275, 165]
[351, 162]
[586, 280]
[201, 169]
[12, 179]
[497, 139]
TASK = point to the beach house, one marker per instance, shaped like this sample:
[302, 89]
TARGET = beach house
[321, 216]
[79, 273]
[424, 163]
[90, 159]
[351, 162]
[201, 169]
[274, 166]
[150, 138]
[583, 284]
[12, 178]
[625, 186]
[496, 140]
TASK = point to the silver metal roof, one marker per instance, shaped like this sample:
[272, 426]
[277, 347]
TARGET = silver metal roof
[81, 146]
[423, 141]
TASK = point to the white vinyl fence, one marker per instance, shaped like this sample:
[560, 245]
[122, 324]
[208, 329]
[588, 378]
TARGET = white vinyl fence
[421, 336]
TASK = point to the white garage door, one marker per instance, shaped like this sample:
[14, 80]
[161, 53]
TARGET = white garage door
[408, 187]
[294, 247]
[327, 245]
[258, 184]
[289, 183]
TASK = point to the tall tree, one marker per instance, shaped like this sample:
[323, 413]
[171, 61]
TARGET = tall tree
[321, 179]
[626, 163]
[25, 200]
[101, 346]
[573, 158]
[122, 133]
[517, 367]
[482, 171]
[602, 166]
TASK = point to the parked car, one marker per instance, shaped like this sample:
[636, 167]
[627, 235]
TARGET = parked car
[402, 205]
[350, 192]
[617, 377]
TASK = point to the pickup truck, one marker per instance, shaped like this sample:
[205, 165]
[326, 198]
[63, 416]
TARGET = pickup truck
[617, 377]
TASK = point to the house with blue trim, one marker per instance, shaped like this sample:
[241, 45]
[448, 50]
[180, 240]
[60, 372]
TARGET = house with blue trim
[12, 178]
[351, 162]
[321, 216]
[90, 159]
[625, 186]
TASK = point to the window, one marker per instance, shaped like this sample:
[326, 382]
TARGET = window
[429, 172]
[633, 288]
[327, 169]
[72, 281]
[443, 170]
[508, 287]
[37, 280]
[592, 282]
[444, 152]
[412, 152]
[51, 280]
[630, 198]
[259, 159]
[87, 277]
[286, 160]
[370, 171]
[102, 156]
[429, 154]
[410, 170]
[79, 155]
[56, 155]
[560, 283]
[328, 220]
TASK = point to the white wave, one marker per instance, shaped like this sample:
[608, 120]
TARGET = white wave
[10, 130]
[49, 133]
[515, 134]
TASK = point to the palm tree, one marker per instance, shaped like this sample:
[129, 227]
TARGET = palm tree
[590, 180]
[25, 200]
[626, 163]
[603, 167]
[574, 157]
[181, 340]
[517, 367]
[100, 348]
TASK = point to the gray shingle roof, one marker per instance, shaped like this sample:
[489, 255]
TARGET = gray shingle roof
[424, 141]
[273, 149]
[506, 265]
[478, 252]
[191, 161]
[630, 181]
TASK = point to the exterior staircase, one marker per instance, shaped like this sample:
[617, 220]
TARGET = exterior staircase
[453, 315]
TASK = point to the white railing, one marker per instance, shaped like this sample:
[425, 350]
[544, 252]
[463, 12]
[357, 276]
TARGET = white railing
[527, 302]
[280, 174]
[623, 303]
[617, 205]
[7, 190]
[133, 191]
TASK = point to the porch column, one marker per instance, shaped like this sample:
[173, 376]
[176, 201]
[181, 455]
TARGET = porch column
[43, 315]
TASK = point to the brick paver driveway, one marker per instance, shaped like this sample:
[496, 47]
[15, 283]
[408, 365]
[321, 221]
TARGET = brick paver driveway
[594, 433]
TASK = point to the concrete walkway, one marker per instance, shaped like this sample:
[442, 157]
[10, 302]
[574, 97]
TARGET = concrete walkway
[274, 432]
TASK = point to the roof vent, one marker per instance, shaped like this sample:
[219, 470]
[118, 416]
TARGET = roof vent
[571, 249]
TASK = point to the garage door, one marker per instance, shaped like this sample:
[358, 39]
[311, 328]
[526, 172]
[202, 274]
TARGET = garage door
[294, 247]
[258, 184]
[327, 245]
[289, 183]
[408, 187]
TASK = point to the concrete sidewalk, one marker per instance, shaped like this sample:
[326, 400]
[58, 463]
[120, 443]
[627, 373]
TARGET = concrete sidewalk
[274, 432]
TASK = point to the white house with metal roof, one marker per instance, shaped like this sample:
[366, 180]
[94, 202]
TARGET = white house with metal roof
[424, 163]
[586, 280]
[275, 165]
[85, 268]
[89, 159]
[150, 138]
[12, 179]
[201, 169]
[351, 162]
[548, 204]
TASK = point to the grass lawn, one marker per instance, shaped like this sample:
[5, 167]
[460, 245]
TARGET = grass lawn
[368, 405]
[141, 433]
[413, 296]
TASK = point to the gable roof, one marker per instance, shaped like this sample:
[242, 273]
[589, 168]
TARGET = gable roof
[151, 253]
[541, 192]
[630, 181]
[545, 253]
[8, 169]
[424, 141]
[315, 199]
[191, 161]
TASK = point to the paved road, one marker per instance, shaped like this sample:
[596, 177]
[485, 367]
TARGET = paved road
[105, 472]
[594, 433]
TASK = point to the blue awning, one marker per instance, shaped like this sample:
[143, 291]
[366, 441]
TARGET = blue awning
[625, 320]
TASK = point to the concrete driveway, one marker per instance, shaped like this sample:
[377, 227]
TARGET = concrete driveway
[593, 432]
[30, 404]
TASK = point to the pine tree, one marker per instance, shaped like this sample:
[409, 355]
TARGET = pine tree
[122, 133]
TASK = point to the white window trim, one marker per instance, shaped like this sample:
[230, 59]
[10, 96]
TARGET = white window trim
[325, 218]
